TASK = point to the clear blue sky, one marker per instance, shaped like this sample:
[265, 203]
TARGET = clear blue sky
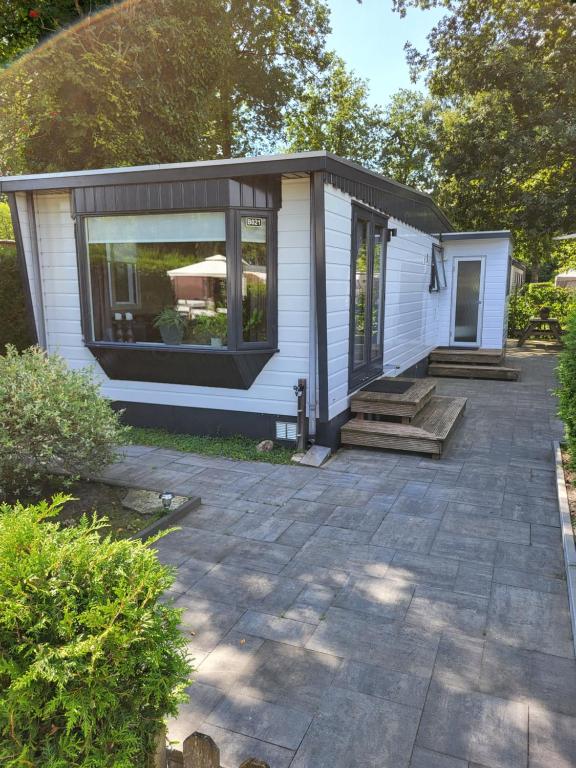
[370, 38]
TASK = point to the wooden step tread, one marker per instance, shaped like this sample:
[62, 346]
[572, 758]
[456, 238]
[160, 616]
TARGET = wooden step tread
[426, 434]
[418, 388]
[406, 404]
[457, 355]
[462, 370]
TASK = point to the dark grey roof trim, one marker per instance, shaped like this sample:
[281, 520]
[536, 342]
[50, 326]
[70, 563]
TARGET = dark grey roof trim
[305, 162]
[503, 234]
[519, 264]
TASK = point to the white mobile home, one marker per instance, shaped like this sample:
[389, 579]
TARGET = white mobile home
[203, 292]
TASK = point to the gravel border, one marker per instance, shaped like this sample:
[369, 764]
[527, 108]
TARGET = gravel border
[568, 542]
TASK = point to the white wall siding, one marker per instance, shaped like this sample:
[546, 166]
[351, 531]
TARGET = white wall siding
[411, 312]
[495, 252]
[271, 392]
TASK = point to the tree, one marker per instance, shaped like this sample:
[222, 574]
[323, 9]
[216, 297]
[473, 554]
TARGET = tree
[25, 23]
[153, 81]
[411, 124]
[504, 79]
[333, 114]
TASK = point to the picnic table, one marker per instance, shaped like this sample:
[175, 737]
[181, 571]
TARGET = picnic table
[541, 328]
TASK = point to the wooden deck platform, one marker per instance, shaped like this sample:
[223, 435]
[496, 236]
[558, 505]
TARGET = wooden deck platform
[427, 433]
[464, 371]
[460, 355]
[404, 404]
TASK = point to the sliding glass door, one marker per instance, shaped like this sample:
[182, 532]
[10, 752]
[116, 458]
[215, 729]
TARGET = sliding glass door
[369, 237]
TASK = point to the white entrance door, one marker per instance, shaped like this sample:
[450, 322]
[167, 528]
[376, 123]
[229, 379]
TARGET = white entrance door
[467, 301]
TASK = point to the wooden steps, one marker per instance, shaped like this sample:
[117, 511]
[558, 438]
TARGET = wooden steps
[463, 371]
[427, 432]
[471, 364]
[404, 404]
[479, 356]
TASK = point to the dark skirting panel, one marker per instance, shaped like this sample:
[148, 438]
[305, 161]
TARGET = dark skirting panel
[201, 421]
[181, 365]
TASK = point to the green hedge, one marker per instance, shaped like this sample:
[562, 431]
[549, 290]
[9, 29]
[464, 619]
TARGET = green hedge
[14, 323]
[92, 659]
[567, 391]
[529, 300]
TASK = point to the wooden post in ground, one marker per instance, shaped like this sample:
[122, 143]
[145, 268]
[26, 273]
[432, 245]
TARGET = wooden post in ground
[200, 751]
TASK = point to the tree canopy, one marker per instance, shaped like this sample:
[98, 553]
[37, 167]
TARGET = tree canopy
[149, 81]
[504, 81]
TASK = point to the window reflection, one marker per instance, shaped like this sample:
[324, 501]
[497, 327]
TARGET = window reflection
[254, 279]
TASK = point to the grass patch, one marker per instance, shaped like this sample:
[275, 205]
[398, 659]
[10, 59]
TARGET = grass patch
[237, 447]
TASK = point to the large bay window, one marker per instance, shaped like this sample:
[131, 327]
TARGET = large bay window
[198, 279]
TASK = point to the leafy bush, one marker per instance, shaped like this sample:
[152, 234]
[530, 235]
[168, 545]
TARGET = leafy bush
[14, 328]
[91, 661]
[529, 300]
[6, 231]
[567, 391]
[52, 419]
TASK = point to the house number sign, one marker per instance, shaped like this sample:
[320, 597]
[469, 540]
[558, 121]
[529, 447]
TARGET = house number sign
[251, 221]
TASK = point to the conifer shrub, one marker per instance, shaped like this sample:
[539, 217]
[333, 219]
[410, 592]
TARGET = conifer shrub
[91, 660]
[567, 390]
[52, 420]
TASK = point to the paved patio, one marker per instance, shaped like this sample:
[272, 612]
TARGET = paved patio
[387, 611]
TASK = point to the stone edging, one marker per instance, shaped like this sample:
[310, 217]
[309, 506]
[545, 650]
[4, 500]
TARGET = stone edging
[568, 542]
[167, 521]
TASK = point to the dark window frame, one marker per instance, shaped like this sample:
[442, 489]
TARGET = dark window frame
[234, 283]
[438, 281]
[373, 366]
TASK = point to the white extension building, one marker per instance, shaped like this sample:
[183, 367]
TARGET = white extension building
[203, 292]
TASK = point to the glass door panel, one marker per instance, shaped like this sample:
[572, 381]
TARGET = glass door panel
[377, 291]
[361, 282]
[467, 307]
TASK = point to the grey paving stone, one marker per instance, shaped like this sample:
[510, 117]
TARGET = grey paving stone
[415, 488]
[202, 700]
[297, 534]
[532, 559]
[203, 545]
[226, 665]
[273, 628]
[206, 622]
[269, 493]
[422, 569]
[440, 609]
[536, 678]
[294, 677]
[530, 510]
[358, 518]
[388, 598]
[305, 511]
[259, 719]
[236, 748]
[475, 726]
[216, 519]
[406, 532]
[385, 684]
[348, 732]
[535, 580]
[415, 507]
[359, 559]
[474, 579]
[486, 527]
[546, 535]
[292, 477]
[349, 497]
[258, 528]
[333, 533]
[247, 589]
[309, 614]
[259, 556]
[189, 572]
[459, 660]
[529, 619]
[372, 640]
[552, 739]
[315, 574]
[423, 758]
[462, 508]
[467, 548]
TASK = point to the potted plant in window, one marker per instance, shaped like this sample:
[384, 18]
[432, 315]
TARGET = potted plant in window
[171, 325]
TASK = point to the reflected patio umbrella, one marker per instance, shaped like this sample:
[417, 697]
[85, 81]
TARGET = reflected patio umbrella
[214, 266]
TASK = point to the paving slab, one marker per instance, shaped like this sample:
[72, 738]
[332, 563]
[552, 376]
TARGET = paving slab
[476, 727]
[552, 739]
[235, 748]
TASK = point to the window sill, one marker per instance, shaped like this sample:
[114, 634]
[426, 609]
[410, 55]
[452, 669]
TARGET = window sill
[196, 366]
